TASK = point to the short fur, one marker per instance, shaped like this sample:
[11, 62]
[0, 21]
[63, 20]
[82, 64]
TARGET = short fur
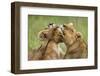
[76, 46]
[55, 37]
[49, 49]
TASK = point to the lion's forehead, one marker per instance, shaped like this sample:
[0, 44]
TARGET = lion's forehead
[59, 29]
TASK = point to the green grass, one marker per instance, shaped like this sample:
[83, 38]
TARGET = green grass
[37, 23]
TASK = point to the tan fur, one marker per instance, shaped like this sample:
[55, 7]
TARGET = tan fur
[55, 37]
[48, 50]
[76, 46]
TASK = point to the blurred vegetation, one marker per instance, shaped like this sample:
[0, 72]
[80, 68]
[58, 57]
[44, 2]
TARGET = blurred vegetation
[37, 23]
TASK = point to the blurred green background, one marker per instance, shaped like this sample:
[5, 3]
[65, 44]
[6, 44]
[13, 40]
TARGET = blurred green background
[37, 23]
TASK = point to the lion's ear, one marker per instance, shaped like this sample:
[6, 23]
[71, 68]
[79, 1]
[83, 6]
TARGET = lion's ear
[78, 35]
[70, 24]
[42, 35]
[51, 25]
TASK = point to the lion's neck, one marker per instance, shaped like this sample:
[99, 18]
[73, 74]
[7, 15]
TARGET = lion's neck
[52, 44]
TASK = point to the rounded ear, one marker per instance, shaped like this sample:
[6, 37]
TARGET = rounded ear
[68, 25]
[71, 24]
[51, 25]
[42, 35]
[78, 35]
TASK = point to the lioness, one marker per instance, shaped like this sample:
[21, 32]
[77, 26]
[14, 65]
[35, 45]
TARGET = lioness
[76, 46]
[49, 49]
[53, 51]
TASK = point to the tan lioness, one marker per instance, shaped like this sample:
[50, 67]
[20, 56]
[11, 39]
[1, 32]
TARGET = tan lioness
[49, 49]
[53, 51]
[76, 46]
